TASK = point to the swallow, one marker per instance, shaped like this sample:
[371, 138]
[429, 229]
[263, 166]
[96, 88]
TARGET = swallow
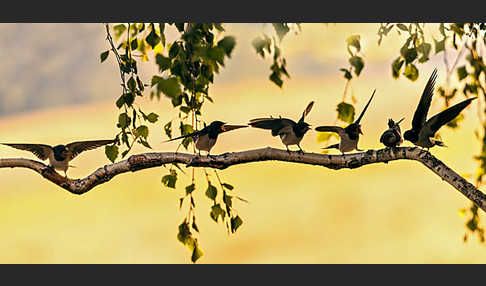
[206, 138]
[290, 132]
[349, 135]
[392, 137]
[422, 131]
[60, 155]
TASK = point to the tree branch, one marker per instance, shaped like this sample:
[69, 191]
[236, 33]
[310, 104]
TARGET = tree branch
[223, 161]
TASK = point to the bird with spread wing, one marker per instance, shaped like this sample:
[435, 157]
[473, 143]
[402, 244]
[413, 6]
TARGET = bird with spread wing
[423, 130]
[290, 132]
[59, 156]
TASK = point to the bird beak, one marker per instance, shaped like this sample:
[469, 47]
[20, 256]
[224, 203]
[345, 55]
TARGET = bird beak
[400, 120]
[225, 128]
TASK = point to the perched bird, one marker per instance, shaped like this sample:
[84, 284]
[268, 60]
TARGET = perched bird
[350, 135]
[392, 137]
[205, 138]
[423, 131]
[59, 156]
[290, 132]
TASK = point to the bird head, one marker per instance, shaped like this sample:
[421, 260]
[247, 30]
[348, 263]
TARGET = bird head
[410, 135]
[217, 125]
[353, 130]
[60, 152]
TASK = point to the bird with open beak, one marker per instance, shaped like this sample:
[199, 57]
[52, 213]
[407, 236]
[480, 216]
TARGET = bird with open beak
[422, 131]
[392, 137]
[349, 135]
[206, 138]
[59, 156]
[290, 132]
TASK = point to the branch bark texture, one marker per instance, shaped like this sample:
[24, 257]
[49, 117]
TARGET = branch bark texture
[223, 161]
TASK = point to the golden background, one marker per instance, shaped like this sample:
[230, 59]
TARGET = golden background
[382, 213]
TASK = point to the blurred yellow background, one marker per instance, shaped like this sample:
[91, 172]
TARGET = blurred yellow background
[382, 213]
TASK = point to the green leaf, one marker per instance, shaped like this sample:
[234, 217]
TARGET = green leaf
[424, 49]
[439, 45]
[211, 192]
[170, 180]
[275, 78]
[144, 143]
[354, 42]
[190, 188]
[409, 55]
[119, 29]
[228, 186]
[162, 62]
[216, 212]
[180, 27]
[236, 222]
[227, 44]
[358, 64]
[132, 84]
[184, 234]
[104, 55]
[196, 254]
[461, 72]
[152, 38]
[397, 66]
[281, 29]
[124, 120]
[402, 27]
[411, 72]
[347, 74]
[216, 54]
[134, 44]
[142, 131]
[120, 102]
[345, 112]
[170, 86]
[111, 152]
[152, 117]
[186, 129]
[174, 50]
[260, 44]
[168, 129]
[227, 200]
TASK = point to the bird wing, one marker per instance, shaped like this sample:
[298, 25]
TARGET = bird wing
[420, 115]
[40, 150]
[339, 130]
[366, 107]
[306, 111]
[193, 134]
[437, 121]
[274, 124]
[76, 148]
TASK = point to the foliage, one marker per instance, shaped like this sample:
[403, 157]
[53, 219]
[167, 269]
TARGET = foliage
[188, 64]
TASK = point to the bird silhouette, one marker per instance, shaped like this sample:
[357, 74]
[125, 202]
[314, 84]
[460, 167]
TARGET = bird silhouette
[349, 136]
[290, 132]
[206, 138]
[60, 155]
[422, 131]
[392, 137]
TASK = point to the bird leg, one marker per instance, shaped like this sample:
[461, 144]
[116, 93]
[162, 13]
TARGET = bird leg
[288, 150]
[300, 149]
